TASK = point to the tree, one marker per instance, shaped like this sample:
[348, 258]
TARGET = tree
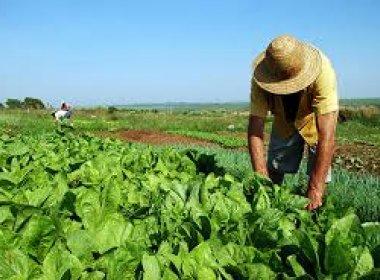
[33, 103]
[2, 106]
[112, 109]
[13, 103]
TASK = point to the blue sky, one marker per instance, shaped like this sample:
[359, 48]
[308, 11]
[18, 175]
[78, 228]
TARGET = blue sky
[118, 52]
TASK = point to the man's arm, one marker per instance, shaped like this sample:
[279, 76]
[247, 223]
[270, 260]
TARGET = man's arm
[326, 125]
[256, 144]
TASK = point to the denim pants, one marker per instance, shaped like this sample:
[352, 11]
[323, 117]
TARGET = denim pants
[285, 155]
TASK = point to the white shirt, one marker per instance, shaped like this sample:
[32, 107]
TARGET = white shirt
[61, 114]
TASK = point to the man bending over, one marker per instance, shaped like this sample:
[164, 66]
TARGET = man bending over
[297, 84]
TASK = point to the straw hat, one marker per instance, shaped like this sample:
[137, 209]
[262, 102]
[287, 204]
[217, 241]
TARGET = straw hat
[287, 66]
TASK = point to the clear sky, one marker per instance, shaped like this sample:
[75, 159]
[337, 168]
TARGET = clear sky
[116, 52]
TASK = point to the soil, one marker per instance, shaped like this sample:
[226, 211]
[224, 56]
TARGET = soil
[358, 157]
[156, 138]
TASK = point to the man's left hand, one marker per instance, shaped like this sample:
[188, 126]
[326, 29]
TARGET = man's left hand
[316, 198]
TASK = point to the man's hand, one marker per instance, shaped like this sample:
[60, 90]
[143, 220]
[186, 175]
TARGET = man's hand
[256, 144]
[326, 125]
[315, 194]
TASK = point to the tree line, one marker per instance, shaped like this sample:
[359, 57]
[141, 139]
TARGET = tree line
[27, 103]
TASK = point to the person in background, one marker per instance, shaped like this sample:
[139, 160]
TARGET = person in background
[63, 114]
[297, 84]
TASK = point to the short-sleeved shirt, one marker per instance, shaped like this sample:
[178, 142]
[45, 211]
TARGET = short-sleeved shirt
[321, 97]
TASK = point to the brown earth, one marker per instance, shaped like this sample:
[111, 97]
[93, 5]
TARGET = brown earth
[357, 157]
[156, 138]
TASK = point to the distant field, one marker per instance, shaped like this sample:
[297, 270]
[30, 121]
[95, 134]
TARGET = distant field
[199, 122]
[182, 106]
[360, 102]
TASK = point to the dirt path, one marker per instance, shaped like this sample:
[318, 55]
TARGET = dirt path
[156, 138]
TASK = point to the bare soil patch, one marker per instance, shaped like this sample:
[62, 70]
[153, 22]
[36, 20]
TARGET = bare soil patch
[358, 157]
[156, 138]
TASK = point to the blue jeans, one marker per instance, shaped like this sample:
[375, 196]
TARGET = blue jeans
[285, 155]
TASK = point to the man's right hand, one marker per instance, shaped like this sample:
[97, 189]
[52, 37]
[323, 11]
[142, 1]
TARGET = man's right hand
[256, 144]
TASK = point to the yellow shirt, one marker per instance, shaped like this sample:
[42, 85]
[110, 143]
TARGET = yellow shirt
[319, 98]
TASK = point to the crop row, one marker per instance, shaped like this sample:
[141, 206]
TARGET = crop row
[225, 141]
[84, 208]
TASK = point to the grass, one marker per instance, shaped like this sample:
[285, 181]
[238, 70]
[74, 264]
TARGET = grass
[359, 131]
[13, 122]
[103, 121]
[225, 141]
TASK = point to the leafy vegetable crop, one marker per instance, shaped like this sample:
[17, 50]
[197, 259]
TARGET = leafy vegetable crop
[84, 208]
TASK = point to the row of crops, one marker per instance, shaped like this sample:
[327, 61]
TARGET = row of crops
[226, 141]
[79, 207]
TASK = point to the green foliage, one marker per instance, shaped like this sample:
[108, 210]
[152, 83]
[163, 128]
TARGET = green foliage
[347, 189]
[84, 208]
[27, 103]
[111, 109]
[33, 103]
[13, 103]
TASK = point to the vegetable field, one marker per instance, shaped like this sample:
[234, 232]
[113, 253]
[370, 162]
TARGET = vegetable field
[81, 207]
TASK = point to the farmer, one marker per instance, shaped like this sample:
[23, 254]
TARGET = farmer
[297, 84]
[64, 113]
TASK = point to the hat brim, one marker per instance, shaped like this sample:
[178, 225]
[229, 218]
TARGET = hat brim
[305, 77]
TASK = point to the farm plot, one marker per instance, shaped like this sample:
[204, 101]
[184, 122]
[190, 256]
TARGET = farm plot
[225, 141]
[78, 207]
